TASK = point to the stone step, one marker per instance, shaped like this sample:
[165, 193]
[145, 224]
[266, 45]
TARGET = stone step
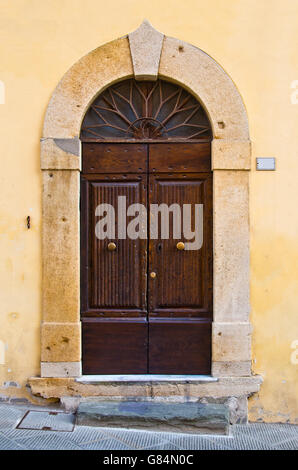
[186, 417]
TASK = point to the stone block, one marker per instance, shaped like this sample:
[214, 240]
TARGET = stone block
[70, 404]
[198, 72]
[60, 242]
[231, 342]
[61, 154]
[145, 47]
[231, 246]
[79, 86]
[60, 369]
[231, 369]
[238, 410]
[231, 155]
[224, 387]
[185, 417]
[61, 342]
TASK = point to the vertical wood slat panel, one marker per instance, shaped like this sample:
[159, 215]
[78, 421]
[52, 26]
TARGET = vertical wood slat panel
[116, 278]
[184, 278]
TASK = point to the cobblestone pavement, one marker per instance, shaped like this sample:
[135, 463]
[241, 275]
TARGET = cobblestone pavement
[256, 436]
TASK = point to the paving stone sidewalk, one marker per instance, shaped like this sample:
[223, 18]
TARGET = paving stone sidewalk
[255, 436]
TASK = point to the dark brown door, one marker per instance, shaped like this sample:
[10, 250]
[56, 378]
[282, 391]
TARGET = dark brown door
[146, 305]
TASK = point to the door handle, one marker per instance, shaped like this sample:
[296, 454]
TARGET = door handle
[180, 246]
[112, 246]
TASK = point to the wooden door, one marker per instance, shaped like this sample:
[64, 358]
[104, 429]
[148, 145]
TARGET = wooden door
[180, 295]
[133, 322]
[113, 283]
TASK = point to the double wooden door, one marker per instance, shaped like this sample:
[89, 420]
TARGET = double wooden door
[146, 306]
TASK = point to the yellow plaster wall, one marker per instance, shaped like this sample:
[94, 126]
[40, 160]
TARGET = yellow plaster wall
[255, 41]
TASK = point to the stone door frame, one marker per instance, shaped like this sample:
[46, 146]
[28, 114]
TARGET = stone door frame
[145, 54]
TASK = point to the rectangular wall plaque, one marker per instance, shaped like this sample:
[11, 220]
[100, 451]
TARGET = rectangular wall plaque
[266, 164]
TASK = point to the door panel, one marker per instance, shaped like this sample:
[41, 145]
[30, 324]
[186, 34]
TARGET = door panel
[180, 157]
[180, 295]
[183, 282]
[180, 346]
[114, 347]
[114, 281]
[109, 158]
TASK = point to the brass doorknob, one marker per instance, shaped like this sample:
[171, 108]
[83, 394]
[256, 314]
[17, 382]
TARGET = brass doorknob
[153, 275]
[112, 246]
[180, 246]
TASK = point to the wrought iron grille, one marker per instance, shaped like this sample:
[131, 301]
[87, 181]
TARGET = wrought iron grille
[131, 110]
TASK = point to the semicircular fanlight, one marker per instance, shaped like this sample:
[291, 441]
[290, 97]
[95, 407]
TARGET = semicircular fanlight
[131, 110]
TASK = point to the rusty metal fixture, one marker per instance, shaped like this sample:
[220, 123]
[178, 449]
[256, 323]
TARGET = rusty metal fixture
[131, 110]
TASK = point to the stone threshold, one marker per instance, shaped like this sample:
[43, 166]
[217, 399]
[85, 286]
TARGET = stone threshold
[49, 387]
[144, 378]
[185, 417]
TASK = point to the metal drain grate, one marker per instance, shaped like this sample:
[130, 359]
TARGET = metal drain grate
[47, 421]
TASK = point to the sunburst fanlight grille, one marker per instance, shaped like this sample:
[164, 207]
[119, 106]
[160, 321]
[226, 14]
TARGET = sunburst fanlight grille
[131, 110]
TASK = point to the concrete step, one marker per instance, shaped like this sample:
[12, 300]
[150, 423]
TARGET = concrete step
[186, 417]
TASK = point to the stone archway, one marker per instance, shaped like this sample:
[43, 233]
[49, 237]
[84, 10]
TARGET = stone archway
[146, 54]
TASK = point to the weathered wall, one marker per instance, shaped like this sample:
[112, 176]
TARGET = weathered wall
[255, 41]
